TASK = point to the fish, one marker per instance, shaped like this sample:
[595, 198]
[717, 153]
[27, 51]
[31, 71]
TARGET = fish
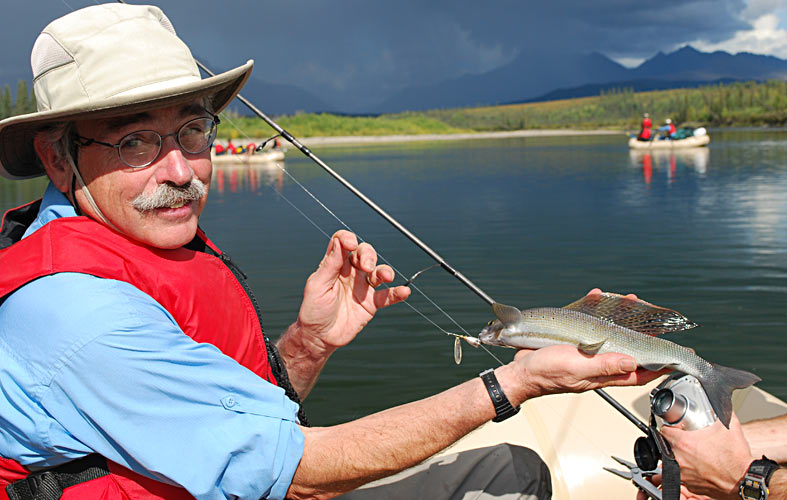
[610, 322]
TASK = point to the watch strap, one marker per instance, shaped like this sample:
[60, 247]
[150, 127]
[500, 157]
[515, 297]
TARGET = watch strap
[758, 476]
[764, 467]
[503, 407]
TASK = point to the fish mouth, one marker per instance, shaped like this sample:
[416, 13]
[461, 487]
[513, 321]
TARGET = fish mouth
[490, 337]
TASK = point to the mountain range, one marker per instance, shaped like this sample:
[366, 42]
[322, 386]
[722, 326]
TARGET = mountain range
[536, 74]
[541, 75]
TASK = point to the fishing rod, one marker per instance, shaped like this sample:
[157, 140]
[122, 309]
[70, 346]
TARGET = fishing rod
[396, 224]
[344, 182]
[420, 244]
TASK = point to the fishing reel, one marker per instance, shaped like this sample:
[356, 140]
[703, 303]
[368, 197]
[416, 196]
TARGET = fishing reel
[679, 399]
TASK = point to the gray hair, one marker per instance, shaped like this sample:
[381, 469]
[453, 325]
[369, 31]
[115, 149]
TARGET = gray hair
[59, 137]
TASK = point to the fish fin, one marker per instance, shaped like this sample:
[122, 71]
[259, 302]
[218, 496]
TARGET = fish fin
[458, 350]
[635, 314]
[719, 384]
[591, 348]
[507, 315]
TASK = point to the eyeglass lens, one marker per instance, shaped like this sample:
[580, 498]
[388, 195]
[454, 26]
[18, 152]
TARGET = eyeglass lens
[139, 149]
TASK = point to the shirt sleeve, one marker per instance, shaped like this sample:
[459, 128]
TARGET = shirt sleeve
[110, 372]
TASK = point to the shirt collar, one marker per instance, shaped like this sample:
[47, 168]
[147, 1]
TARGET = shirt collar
[54, 205]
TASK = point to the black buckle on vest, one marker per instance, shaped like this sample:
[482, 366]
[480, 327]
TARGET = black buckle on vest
[49, 484]
[35, 486]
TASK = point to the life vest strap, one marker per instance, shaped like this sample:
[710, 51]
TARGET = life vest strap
[49, 484]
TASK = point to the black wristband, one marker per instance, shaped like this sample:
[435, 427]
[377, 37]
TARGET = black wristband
[502, 405]
[754, 485]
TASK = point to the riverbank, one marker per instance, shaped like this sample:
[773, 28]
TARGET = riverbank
[383, 139]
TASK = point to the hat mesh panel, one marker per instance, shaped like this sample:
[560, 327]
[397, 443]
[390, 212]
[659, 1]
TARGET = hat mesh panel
[164, 20]
[47, 54]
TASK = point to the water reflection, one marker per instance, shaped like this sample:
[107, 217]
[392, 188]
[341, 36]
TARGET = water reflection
[669, 161]
[248, 177]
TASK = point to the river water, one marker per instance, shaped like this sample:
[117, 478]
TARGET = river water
[533, 222]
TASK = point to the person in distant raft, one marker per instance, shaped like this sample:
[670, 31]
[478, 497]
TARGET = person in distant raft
[668, 128]
[645, 132]
[122, 379]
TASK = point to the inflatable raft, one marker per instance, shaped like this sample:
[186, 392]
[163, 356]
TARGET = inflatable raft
[246, 158]
[698, 139]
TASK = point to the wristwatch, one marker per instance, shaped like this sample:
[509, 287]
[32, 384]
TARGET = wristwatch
[754, 485]
[503, 406]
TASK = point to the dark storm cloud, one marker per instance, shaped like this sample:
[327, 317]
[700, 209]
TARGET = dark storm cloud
[364, 48]
[619, 28]
[359, 46]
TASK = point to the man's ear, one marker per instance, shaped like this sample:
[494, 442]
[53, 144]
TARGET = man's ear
[57, 168]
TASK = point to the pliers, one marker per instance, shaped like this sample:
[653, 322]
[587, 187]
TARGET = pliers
[638, 477]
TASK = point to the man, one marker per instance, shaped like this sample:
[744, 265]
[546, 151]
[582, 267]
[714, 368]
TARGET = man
[715, 461]
[130, 347]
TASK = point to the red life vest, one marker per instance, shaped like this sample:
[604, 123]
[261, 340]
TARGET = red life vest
[79, 244]
[644, 133]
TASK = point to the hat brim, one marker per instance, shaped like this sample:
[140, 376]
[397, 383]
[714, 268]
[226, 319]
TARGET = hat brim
[17, 154]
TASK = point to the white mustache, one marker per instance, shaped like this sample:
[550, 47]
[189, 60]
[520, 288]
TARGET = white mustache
[167, 196]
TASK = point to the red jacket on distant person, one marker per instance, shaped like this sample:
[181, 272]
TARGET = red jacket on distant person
[644, 133]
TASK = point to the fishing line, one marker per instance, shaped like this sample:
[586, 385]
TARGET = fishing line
[409, 282]
[71, 8]
[382, 213]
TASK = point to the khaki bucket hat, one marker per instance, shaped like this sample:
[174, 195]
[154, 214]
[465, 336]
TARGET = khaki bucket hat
[108, 60]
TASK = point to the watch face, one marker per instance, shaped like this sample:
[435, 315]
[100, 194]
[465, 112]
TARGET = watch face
[749, 492]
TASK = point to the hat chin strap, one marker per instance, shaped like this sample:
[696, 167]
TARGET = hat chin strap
[89, 197]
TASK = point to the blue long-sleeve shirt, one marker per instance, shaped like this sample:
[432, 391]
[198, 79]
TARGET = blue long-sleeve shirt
[95, 365]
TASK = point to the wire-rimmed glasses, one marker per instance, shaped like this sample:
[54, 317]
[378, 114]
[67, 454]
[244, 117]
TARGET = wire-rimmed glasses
[141, 148]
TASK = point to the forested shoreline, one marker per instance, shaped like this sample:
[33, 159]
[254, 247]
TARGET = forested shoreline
[23, 102]
[738, 104]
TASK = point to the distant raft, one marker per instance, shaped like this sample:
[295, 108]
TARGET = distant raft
[266, 156]
[699, 138]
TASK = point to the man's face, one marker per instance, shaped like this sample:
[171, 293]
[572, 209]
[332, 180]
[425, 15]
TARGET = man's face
[114, 185]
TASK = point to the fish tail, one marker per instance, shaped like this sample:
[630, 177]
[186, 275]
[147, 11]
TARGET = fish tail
[719, 384]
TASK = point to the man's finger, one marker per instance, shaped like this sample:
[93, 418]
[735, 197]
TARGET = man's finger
[364, 258]
[330, 266]
[390, 296]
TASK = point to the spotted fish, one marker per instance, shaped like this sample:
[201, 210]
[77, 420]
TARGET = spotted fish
[608, 322]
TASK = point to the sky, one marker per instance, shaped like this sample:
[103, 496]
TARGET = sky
[367, 49]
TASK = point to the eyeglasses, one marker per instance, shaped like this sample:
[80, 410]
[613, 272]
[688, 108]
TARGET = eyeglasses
[140, 149]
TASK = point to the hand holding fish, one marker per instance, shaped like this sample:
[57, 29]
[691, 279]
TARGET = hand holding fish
[339, 299]
[564, 368]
